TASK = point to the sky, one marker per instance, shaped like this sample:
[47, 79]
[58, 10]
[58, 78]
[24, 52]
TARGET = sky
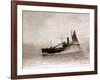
[43, 28]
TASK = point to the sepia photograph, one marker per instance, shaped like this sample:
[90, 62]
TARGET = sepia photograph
[54, 39]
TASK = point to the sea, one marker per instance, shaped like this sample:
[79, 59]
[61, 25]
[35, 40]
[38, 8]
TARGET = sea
[72, 57]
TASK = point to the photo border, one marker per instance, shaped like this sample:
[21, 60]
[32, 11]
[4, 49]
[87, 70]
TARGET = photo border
[14, 38]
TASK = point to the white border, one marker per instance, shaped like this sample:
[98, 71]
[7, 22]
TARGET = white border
[54, 70]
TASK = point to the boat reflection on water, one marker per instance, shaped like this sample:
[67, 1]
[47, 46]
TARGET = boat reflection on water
[65, 45]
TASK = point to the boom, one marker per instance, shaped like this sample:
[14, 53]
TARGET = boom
[58, 45]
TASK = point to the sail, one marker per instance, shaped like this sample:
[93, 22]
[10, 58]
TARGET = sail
[74, 37]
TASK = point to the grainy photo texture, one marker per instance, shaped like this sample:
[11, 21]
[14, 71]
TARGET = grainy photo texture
[55, 39]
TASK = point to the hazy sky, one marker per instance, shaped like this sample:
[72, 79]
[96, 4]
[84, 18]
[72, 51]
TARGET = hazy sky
[39, 28]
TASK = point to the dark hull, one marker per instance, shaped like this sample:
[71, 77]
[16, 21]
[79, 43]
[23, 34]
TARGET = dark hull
[52, 50]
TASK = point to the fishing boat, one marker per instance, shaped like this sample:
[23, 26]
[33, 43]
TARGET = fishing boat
[64, 45]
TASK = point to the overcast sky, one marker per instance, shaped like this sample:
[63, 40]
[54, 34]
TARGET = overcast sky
[39, 28]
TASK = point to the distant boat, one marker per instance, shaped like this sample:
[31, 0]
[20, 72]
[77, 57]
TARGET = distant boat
[65, 45]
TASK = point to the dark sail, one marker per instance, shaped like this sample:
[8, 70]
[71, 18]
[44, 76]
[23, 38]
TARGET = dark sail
[74, 37]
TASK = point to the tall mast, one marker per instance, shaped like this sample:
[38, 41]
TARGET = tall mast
[71, 35]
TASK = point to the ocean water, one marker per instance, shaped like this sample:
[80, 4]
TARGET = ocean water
[72, 57]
